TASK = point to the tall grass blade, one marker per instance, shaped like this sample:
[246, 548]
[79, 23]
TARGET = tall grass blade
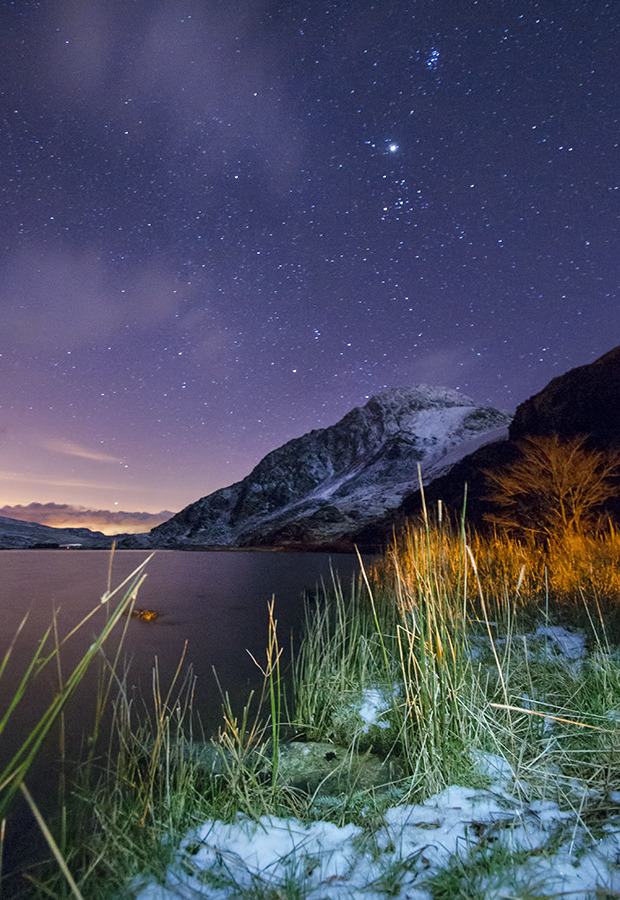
[15, 770]
[51, 842]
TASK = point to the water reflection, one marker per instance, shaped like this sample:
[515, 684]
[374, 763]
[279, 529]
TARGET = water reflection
[212, 606]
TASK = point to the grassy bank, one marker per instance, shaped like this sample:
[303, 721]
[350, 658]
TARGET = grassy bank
[455, 653]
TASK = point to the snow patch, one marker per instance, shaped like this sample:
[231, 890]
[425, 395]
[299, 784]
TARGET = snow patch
[375, 703]
[570, 644]
[415, 843]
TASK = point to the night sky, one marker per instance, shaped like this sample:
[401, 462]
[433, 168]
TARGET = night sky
[227, 223]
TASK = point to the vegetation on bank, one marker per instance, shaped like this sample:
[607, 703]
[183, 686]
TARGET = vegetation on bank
[449, 642]
[442, 634]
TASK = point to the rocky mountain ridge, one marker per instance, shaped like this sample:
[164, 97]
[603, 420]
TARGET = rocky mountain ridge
[318, 489]
[582, 401]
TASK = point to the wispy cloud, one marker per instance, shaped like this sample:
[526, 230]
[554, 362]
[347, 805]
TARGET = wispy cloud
[49, 481]
[68, 448]
[44, 290]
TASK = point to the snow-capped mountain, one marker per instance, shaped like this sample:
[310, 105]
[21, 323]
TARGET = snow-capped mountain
[319, 489]
[585, 401]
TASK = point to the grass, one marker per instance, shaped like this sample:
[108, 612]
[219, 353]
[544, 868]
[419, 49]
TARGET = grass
[444, 636]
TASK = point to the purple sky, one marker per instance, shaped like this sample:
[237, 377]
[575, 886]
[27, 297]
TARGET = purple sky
[226, 223]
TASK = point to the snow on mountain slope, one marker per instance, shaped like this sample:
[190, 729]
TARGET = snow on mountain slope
[317, 489]
[440, 466]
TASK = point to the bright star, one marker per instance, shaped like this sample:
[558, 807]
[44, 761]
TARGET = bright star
[393, 148]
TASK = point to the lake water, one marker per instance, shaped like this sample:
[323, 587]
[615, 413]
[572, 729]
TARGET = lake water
[216, 601]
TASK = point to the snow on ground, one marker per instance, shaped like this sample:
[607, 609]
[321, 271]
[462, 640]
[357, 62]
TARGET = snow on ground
[570, 644]
[499, 844]
[375, 704]
[440, 464]
[325, 861]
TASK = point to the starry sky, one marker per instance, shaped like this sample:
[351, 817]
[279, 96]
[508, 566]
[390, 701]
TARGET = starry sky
[227, 222]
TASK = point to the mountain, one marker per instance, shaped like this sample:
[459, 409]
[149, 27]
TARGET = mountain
[317, 490]
[351, 484]
[583, 401]
[18, 535]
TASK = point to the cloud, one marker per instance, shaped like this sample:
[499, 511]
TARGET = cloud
[152, 69]
[70, 449]
[440, 367]
[63, 515]
[50, 481]
[53, 298]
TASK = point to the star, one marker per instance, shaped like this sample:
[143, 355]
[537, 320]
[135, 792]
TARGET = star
[397, 174]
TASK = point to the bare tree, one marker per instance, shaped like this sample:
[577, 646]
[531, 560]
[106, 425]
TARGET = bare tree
[554, 488]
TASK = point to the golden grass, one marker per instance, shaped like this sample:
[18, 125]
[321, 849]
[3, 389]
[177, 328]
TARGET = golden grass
[511, 573]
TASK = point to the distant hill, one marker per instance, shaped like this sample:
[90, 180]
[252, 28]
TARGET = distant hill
[18, 535]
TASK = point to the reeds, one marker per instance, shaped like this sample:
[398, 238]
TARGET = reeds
[447, 624]
[14, 772]
[161, 776]
[135, 805]
[341, 654]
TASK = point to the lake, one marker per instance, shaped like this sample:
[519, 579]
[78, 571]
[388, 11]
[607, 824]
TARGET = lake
[216, 601]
